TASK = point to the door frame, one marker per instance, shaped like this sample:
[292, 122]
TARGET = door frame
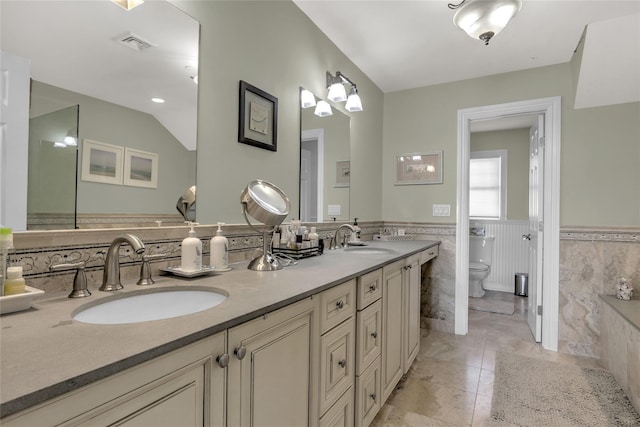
[317, 135]
[551, 108]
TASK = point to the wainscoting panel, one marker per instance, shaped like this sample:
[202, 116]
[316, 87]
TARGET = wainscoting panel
[510, 253]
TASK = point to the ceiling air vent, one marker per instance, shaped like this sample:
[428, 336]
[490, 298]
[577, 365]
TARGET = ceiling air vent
[133, 41]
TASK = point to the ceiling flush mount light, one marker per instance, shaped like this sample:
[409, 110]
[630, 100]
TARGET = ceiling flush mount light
[128, 4]
[158, 100]
[337, 92]
[323, 109]
[307, 99]
[483, 19]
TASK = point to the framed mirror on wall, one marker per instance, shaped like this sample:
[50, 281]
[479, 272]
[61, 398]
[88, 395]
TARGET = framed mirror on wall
[110, 73]
[324, 165]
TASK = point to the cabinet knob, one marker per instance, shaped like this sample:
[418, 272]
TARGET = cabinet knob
[373, 286]
[407, 267]
[342, 363]
[340, 304]
[372, 396]
[240, 352]
[374, 334]
[223, 360]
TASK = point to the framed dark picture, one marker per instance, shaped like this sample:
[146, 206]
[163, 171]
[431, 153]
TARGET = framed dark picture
[258, 124]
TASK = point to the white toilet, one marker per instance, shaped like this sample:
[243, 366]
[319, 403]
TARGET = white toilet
[480, 254]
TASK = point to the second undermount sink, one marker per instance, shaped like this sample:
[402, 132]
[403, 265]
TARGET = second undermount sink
[147, 306]
[368, 250]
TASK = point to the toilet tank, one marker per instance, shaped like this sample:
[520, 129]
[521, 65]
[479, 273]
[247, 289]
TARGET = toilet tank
[481, 249]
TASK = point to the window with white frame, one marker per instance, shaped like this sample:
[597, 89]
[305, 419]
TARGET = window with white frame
[488, 185]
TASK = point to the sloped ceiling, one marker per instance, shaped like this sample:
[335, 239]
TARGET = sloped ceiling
[609, 69]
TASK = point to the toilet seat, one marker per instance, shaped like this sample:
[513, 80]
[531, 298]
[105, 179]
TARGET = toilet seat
[478, 266]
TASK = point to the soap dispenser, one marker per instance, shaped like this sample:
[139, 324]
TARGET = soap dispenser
[191, 251]
[358, 231]
[219, 250]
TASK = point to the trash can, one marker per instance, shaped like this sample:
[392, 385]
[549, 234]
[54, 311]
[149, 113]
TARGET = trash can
[522, 284]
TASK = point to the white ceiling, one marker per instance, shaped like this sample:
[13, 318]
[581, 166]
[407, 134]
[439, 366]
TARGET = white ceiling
[407, 44]
[70, 44]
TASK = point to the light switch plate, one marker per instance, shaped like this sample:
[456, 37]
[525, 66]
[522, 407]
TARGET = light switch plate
[334, 210]
[441, 210]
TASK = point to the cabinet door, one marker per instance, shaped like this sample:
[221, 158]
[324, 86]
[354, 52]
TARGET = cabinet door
[270, 376]
[341, 413]
[411, 311]
[369, 336]
[368, 394]
[392, 320]
[337, 357]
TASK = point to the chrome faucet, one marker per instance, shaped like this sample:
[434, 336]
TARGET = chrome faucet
[334, 240]
[111, 276]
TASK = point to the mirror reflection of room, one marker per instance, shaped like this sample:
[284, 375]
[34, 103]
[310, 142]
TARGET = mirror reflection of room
[324, 166]
[108, 83]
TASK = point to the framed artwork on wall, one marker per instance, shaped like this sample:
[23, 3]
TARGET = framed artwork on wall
[140, 168]
[418, 168]
[258, 118]
[101, 162]
[343, 173]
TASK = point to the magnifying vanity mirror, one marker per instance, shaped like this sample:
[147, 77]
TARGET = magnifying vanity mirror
[324, 166]
[96, 86]
[267, 204]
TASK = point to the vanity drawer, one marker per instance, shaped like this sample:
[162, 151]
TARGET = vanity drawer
[340, 414]
[337, 304]
[428, 254]
[368, 335]
[337, 357]
[369, 288]
[368, 394]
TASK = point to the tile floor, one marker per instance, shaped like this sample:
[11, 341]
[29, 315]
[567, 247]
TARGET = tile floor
[451, 381]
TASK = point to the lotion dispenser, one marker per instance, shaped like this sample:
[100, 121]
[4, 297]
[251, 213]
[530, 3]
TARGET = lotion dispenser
[191, 251]
[219, 250]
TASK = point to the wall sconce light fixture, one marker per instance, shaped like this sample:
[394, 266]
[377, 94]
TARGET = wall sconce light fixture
[483, 19]
[337, 92]
[128, 4]
[323, 109]
[307, 99]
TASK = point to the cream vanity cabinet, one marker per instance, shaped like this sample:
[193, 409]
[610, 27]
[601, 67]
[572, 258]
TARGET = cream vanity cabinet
[270, 373]
[185, 387]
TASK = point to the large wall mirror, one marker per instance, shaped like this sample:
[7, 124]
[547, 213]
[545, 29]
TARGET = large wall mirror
[324, 166]
[95, 68]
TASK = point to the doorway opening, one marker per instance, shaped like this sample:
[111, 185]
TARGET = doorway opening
[550, 109]
[311, 175]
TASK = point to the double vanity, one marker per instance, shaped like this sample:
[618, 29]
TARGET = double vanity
[323, 342]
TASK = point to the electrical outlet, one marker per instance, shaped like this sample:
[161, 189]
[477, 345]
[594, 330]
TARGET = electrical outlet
[334, 210]
[441, 210]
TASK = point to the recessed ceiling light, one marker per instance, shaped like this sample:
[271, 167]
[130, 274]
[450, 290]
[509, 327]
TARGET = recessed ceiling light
[157, 100]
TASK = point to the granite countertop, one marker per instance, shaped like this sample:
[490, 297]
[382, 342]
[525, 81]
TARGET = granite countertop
[44, 353]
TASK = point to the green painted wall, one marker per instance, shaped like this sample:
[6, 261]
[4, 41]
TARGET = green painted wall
[600, 151]
[275, 47]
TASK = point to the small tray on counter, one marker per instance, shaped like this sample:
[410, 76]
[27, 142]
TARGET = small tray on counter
[19, 302]
[206, 269]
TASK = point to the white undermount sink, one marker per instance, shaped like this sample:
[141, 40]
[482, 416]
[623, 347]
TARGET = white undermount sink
[154, 305]
[368, 250]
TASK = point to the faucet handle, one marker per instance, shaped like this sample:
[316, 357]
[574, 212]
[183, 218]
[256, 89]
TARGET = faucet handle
[80, 289]
[145, 270]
